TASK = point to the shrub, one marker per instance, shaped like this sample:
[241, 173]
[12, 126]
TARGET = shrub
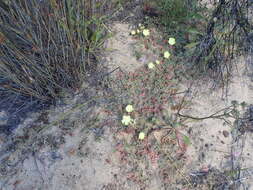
[45, 46]
[227, 34]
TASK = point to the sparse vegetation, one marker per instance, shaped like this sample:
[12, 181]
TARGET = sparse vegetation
[50, 48]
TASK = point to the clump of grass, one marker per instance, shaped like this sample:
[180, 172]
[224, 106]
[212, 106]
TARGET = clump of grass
[47, 47]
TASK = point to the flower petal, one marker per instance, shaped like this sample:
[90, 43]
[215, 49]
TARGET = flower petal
[126, 120]
[151, 65]
[129, 108]
[145, 32]
[133, 32]
[172, 41]
[141, 135]
[166, 54]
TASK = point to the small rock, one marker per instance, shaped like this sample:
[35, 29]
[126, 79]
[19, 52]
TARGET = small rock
[225, 133]
[1, 141]
[71, 152]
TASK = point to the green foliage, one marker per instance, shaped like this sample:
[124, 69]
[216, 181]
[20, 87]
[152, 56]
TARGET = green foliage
[181, 18]
[45, 46]
[120, 2]
[208, 38]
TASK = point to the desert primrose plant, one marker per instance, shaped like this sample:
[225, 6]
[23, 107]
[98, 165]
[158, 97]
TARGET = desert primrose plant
[47, 47]
[155, 133]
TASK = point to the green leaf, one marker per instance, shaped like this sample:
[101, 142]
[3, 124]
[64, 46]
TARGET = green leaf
[243, 104]
[191, 45]
[187, 140]
[197, 16]
[97, 35]
[193, 31]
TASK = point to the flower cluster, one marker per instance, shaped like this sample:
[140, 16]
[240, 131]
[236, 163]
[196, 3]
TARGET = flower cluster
[141, 29]
[127, 120]
[151, 65]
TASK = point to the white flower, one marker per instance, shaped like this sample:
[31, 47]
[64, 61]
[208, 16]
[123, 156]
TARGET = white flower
[145, 32]
[166, 54]
[129, 108]
[151, 65]
[126, 120]
[133, 32]
[157, 62]
[172, 41]
[141, 135]
[138, 31]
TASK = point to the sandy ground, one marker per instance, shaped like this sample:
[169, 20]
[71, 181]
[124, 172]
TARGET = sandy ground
[122, 48]
[76, 160]
[215, 145]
